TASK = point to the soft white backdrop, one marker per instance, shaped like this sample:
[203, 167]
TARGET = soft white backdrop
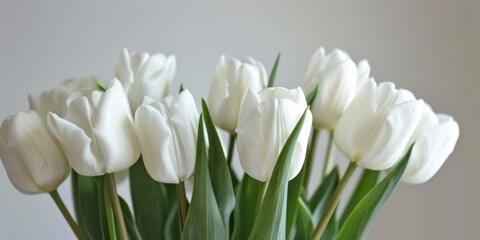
[430, 47]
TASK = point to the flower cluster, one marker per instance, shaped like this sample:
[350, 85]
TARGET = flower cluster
[134, 123]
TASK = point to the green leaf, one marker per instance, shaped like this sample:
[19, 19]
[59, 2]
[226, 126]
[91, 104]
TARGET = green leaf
[103, 216]
[245, 209]
[367, 181]
[311, 96]
[181, 88]
[204, 220]
[273, 74]
[132, 229]
[304, 221]
[220, 171]
[271, 219]
[294, 189]
[322, 196]
[172, 224]
[363, 215]
[100, 87]
[151, 201]
[86, 204]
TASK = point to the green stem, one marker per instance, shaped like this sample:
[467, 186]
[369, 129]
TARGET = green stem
[261, 194]
[309, 157]
[328, 164]
[182, 202]
[332, 205]
[66, 214]
[117, 210]
[231, 146]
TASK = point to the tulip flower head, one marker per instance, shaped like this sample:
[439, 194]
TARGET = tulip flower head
[55, 99]
[34, 161]
[335, 74]
[167, 132]
[265, 122]
[376, 128]
[435, 139]
[144, 75]
[97, 132]
[231, 80]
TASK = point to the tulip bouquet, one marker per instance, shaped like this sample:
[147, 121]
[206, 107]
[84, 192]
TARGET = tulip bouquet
[182, 182]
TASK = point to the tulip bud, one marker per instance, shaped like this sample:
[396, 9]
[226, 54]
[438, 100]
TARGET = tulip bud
[376, 127]
[435, 139]
[55, 99]
[231, 80]
[144, 75]
[97, 133]
[335, 75]
[265, 122]
[32, 158]
[167, 133]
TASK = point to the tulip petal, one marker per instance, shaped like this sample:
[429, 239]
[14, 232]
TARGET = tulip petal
[354, 119]
[78, 146]
[152, 128]
[274, 120]
[431, 150]
[16, 170]
[42, 156]
[336, 91]
[115, 131]
[394, 135]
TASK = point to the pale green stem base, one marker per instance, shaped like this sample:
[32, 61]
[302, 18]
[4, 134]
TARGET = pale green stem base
[117, 209]
[329, 155]
[332, 205]
[63, 209]
[182, 202]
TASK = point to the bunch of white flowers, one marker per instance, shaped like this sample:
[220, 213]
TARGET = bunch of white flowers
[182, 181]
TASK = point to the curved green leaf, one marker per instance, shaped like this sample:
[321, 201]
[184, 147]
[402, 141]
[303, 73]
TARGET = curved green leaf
[311, 96]
[132, 229]
[295, 187]
[271, 220]
[172, 225]
[322, 196]
[151, 201]
[219, 169]
[367, 181]
[273, 73]
[245, 209]
[304, 221]
[86, 204]
[363, 215]
[204, 220]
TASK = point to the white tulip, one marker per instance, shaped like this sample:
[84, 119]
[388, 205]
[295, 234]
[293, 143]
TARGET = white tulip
[376, 128]
[34, 161]
[336, 77]
[97, 133]
[144, 75]
[231, 80]
[55, 99]
[265, 122]
[436, 137]
[167, 133]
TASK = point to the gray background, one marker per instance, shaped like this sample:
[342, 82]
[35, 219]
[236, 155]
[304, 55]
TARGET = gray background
[429, 47]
